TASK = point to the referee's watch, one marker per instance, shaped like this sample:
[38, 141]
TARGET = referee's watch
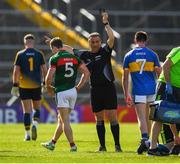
[107, 23]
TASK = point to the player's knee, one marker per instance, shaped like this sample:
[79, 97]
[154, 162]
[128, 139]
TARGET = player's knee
[114, 122]
[99, 117]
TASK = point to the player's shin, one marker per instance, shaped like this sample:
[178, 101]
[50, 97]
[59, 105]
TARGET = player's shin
[101, 132]
[27, 123]
[115, 132]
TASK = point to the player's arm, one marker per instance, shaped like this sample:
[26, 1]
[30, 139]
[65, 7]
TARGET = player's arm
[108, 29]
[15, 78]
[166, 69]
[48, 81]
[125, 86]
[158, 71]
[65, 47]
[16, 74]
[85, 76]
[44, 71]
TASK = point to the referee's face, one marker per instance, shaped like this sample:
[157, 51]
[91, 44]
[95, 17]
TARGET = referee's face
[95, 43]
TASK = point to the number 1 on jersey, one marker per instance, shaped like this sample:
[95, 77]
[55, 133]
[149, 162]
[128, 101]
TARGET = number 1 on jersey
[141, 63]
[31, 63]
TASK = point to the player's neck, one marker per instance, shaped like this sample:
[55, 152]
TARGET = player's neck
[140, 44]
[26, 47]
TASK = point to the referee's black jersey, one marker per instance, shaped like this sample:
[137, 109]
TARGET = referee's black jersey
[99, 64]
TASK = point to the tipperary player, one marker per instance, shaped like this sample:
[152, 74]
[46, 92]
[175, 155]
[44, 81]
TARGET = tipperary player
[143, 65]
[29, 70]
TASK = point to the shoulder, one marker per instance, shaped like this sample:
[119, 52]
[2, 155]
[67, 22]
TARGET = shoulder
[53, 58]
[129, 54]
[21, 52]
[151, 52]
[174, 51]
[39, 52]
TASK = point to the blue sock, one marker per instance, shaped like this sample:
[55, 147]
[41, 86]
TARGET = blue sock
[36, 115]
[27, 121]
[144, 135]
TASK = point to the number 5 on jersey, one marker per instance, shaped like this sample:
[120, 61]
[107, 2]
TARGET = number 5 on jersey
[68, 69]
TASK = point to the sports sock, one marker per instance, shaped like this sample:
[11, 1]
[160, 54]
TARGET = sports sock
[145, 135]
[72, 144]
[36, 115]
[27, 121]
[101, 132]
[35, 123]
[27, 132]
[115, 132]
[53, 141]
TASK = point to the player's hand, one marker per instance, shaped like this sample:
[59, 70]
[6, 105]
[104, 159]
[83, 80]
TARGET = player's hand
[47, 39]
[43, 88]
[104, 17]
[15, 91]
[129, 100]
[50, 90]
[169, 89]
[77, 89]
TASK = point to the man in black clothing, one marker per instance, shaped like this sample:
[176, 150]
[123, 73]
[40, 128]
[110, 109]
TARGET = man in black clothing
[103, 92]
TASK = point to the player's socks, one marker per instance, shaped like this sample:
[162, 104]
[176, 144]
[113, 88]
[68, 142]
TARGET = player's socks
[72, 144]
[115, 132]
[27, 121]
[36, 115]
[27, 135]
[145, 135]
[101, 132]
[53, 141]
[35, 123]
[73, 147]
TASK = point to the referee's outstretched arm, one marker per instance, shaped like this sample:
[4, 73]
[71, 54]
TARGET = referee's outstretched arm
[108, 29]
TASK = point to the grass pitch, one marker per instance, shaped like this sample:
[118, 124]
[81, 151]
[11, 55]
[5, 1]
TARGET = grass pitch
[14, 150]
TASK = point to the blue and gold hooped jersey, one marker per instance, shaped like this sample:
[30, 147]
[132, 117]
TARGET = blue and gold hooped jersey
[29, 60]
[141, 62]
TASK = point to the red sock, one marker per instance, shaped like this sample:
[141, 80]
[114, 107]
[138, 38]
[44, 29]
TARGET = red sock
[53, 141]
[72, 144]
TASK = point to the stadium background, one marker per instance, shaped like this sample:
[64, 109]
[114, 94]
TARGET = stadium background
[72, 20]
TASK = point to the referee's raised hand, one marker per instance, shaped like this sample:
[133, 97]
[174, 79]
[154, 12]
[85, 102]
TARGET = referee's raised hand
[105, 17]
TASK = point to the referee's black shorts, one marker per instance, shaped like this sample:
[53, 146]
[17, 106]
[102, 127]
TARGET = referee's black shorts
[33, 94]
[103, 98]
[166, 132]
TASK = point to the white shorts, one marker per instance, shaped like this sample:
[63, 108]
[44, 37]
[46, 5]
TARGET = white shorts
[67, 98]
[144, 98]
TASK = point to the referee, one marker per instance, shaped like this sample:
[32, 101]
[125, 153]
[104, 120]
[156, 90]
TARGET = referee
[103, 92]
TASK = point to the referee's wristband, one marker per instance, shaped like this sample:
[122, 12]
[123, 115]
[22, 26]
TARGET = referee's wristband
[15, 84]
[107, 23]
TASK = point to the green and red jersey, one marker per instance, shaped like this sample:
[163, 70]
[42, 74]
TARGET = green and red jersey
[66, 66]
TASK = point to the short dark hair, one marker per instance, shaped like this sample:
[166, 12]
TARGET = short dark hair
[141, 36]
[29, 36]
[56, 42]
